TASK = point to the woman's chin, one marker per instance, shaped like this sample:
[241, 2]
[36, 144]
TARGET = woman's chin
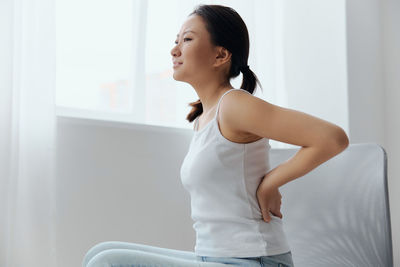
[177, 77]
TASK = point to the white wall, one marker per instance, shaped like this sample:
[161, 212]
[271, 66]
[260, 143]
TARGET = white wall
[96, 176]
[365, 71]
[315, 71]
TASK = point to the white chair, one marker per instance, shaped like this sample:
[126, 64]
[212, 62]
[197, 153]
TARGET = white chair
[338, 214]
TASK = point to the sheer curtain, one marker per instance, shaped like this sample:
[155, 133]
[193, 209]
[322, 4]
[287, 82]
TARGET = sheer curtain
[27, 136]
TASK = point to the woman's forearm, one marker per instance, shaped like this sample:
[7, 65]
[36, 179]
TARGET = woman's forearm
[305, 160]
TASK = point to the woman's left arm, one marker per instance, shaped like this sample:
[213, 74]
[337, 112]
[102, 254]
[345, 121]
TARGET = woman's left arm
[320, 140]
[306, 159]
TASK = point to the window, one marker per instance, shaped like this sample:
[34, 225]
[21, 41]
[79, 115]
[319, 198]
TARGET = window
[94, 55]
[114, 61]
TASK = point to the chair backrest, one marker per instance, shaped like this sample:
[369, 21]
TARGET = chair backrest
[338, 214]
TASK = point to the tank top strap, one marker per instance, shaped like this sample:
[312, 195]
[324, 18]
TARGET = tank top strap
[196, 123]
[219, 101]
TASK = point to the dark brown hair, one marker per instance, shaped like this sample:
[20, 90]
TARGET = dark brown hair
[226, 29]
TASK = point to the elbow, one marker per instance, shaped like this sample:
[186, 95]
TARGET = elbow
[341, 140]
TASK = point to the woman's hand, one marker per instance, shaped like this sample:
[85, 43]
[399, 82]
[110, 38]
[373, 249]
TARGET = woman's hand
[269, 200]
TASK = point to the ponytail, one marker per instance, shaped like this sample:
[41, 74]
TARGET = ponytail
[250, 80]
[197, 109]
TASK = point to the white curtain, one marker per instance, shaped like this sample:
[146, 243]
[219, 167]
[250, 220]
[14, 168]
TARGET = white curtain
[27, 136]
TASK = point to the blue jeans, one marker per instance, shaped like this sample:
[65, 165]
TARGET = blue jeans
[124, 254]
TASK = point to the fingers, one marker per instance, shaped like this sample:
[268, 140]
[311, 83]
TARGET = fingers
[269, 204]
[279, 214]
[266, 216]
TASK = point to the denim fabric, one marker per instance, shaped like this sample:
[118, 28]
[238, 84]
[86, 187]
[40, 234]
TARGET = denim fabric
[124, 254]
[280, 260]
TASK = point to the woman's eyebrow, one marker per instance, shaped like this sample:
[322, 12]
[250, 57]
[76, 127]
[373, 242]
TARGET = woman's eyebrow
[184, 33]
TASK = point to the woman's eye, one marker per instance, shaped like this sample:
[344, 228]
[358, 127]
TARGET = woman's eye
[183, 40]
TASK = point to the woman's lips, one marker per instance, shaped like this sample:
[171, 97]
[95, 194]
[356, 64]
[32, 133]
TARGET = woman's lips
[177, 64]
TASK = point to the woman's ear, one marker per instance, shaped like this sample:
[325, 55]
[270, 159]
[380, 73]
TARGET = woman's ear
[223, 56]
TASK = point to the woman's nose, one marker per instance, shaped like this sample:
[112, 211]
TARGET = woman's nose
[174, 51]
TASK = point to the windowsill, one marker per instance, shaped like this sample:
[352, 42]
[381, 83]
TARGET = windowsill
[121, 120]
[112, 119]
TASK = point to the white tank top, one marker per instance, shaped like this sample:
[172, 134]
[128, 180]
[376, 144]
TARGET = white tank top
[222, 177]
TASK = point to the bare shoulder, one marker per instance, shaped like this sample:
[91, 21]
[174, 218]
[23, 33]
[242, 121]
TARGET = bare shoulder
[239, 99]
[248, 114]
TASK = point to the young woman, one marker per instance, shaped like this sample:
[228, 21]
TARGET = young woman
[235, 197]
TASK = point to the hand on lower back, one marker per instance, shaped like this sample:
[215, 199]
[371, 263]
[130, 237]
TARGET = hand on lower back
[269, 200]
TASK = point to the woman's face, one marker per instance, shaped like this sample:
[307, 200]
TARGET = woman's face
[193, 52]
